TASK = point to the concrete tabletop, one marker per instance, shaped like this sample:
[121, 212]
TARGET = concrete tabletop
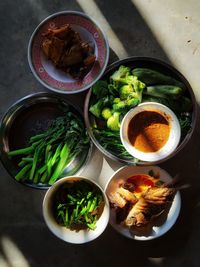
[168, 30]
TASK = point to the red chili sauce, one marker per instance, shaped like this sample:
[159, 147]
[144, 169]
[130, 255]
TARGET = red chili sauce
[140, 180]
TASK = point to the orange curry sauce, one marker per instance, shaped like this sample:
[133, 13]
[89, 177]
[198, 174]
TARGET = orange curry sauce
[148, 131]
[140, 182]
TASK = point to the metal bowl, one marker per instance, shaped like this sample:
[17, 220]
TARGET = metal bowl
[27, 117]
[57, 80]
[146, 62]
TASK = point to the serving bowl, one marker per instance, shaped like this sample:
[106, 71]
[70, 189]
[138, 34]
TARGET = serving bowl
[140, 62]
[162, 222]
[150, 147]
[55, 79]
[28, 117]
[64, 233]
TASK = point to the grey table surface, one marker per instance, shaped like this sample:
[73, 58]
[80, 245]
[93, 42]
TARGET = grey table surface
[168, 30]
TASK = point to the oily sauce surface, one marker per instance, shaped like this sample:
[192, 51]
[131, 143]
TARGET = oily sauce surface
[148, 131]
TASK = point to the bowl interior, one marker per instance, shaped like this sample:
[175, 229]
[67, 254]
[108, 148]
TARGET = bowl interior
[55, 79]
[28, 117]
[71, 236]
[141, 62]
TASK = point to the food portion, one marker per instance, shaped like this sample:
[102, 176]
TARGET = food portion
[124, 89]
[149, 131]
[78, 205]
[49, 152]
[67, 51]
[148, 197]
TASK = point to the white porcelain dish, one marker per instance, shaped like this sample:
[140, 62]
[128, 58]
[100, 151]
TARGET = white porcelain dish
[174, 135]
[164, 221]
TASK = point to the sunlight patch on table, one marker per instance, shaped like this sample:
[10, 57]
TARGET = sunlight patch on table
[175, 25]
[156, 261]
[91, 9]
[13, 255]
[3, 262]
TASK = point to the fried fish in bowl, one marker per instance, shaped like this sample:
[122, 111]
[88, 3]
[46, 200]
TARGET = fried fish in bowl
[144, 204]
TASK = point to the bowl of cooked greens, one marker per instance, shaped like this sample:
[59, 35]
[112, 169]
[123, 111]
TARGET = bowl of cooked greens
[126, 84]
[43, 138]
[76, 209]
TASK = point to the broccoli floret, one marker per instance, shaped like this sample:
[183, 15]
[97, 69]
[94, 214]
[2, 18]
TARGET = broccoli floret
[97, 108]
[125, 91]
[124, 105]
[130, 103]
[100, 89]
[122, 72]
[120, 106]
[137, 86]
[106, 113]
[113, 122]
[116, 100]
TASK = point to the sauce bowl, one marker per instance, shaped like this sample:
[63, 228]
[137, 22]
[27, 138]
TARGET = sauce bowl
[150, 153]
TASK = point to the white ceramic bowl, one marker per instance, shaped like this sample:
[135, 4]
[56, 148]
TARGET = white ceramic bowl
[82, 236]
[170, 145]
[55, 79]
[169, 219]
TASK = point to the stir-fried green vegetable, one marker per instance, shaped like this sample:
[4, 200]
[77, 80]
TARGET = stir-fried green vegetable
[48, 153]
[78, 205]
[127, 88]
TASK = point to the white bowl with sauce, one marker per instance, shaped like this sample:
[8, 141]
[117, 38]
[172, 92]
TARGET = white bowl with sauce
[150, 131]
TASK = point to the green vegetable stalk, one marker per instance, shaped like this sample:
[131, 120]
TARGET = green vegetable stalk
[78, 205]
[152, 77]
[44, 160]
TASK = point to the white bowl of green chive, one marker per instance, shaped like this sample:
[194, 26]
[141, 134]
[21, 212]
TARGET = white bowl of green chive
[76, 209]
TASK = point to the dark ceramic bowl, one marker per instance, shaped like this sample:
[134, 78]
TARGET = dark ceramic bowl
[143, 62]
[29, 116]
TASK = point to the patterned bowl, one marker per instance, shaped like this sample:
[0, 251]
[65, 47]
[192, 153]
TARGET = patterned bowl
[44, 70]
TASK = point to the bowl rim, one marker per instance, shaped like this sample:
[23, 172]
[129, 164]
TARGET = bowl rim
[14, 108]
[166, 65]
[55, 187]
[30, 50]
[176, 130]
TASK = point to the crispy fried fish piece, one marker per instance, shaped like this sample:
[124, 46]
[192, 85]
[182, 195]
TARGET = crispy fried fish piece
[136, 215]
[159, 195]
[126, 194]
[116, 199]
[121, 196]
[152, 203]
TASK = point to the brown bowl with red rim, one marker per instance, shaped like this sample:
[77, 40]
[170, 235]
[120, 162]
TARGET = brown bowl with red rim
[53, 56]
